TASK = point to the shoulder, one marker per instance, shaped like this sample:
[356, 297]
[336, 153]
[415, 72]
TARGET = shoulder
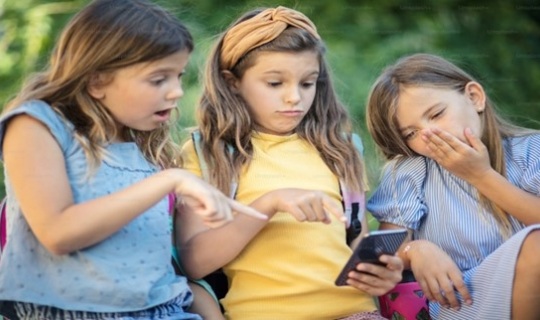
[407, 166]
[524, 148]
[39, 110]
[406, 175]
[190, 158]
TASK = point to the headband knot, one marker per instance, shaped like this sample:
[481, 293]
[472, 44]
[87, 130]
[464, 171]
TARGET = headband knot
[262, 28]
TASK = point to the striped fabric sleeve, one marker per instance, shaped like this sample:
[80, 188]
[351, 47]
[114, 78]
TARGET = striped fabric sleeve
[399, 197]
[530, 151]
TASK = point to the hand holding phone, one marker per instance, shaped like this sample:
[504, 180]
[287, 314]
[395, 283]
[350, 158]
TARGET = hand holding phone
[370, 248]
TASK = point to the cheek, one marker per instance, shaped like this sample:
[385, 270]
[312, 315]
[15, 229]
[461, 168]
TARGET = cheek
[311, 96]
[419, 146]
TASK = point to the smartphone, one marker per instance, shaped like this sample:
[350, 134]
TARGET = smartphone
[370, 248]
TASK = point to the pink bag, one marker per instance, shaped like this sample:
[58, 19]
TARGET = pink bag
[405, 302]
[3, 225]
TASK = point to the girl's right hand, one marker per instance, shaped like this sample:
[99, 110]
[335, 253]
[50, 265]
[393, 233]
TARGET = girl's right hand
[304, 205]
[211, 204]
[437, 274]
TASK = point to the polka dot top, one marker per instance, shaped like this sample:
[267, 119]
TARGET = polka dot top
[131, 270]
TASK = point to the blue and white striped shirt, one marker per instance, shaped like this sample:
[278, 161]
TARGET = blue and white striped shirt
[419, 194]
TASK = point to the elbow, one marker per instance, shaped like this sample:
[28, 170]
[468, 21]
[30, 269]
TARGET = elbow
[194, 274]
[57, 249]
[191, 267]
[56, 245]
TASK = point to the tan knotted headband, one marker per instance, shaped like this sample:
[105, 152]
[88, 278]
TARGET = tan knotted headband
[261, 29]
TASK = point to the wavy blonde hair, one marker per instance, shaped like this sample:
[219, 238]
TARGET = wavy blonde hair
[105, 36]
[223, 117]
[433, 71]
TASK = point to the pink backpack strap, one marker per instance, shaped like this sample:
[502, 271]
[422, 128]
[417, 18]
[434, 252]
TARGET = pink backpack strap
[353, 202]
[172, 203]
[3, 224]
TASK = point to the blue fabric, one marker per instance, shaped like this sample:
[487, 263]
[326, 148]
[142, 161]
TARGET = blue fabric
[171, 310]
[419, 194]
[131, 270]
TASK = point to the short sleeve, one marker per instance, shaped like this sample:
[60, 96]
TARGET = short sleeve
[41, 111]
[191, 159]
[527, 154]
[399, 198]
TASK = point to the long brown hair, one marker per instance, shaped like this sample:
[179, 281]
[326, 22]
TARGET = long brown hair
[433, 71]
[103, 37]
[223, 117]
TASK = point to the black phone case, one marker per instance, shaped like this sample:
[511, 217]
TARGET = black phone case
[371, 248]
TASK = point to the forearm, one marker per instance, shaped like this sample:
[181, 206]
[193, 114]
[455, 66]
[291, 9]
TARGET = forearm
[87, 223]
[200, 255]
[513, 200]
[198, 248]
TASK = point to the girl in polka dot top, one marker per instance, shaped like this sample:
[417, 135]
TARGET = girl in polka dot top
[89, 164]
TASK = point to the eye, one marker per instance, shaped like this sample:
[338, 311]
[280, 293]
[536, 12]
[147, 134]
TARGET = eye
[157, 81]
[308, 84]
[410, 135]
[438, 114]
[274, 83]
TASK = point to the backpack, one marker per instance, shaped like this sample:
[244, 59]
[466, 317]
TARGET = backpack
[352, 203]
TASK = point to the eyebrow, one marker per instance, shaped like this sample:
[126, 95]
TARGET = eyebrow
[428, 110]
[314, 72]
[165, 70]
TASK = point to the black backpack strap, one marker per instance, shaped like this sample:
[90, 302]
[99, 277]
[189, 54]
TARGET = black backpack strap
[353, 202]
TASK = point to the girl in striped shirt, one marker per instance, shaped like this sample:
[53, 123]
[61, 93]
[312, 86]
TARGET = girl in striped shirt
[467, 185]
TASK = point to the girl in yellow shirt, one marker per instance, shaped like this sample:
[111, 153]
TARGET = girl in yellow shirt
[268, 94]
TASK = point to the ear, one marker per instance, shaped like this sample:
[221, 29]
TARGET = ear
[476, 94]
[231, 80]
[96, 86]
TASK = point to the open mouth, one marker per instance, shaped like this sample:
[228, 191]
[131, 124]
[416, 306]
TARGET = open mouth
[163, 113]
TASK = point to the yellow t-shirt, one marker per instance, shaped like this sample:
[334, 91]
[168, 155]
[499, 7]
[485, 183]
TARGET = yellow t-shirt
[288, 270]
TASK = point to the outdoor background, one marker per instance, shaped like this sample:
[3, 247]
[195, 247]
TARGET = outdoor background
[496, 41]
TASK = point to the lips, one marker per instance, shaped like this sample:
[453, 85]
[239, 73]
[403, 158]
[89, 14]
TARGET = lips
[163, 113]
[292, 113]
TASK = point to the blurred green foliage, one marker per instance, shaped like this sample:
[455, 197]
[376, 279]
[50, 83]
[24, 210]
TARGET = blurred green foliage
[497, 41]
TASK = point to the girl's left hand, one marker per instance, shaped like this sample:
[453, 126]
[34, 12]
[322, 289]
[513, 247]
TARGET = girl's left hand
[467, 161]
[377, 280]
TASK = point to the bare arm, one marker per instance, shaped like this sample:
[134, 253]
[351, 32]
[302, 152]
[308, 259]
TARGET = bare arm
[434, 270]
[37, 171]
[197, 244]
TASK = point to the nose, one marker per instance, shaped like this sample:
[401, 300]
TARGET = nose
[176, 91]
[293, 95]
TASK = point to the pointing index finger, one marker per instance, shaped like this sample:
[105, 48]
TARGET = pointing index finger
[334, 209]
[246, 210]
